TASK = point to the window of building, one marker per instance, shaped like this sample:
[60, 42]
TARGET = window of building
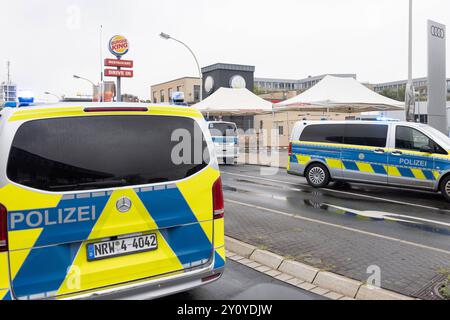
[170, 94]
[155, 98]
[161, 96]
[197, 93]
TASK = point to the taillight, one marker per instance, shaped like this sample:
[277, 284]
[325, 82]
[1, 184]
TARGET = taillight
[3, 229]
[218, 204]
[290, 149]
[118, 109]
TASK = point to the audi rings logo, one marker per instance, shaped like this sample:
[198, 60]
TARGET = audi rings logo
[437, 32]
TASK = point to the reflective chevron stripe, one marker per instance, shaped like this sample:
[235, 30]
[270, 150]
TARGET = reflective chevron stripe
[330, 154]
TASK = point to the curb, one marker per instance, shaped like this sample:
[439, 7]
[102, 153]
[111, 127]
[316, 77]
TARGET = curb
[327, 284]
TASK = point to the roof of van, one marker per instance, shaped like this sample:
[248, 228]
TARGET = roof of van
[80, 106]
[361, 122]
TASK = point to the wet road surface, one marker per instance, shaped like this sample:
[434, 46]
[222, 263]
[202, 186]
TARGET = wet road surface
[242, 283]
[404, 232]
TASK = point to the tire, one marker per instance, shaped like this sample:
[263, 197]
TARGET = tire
[318, 176]
[445, 188]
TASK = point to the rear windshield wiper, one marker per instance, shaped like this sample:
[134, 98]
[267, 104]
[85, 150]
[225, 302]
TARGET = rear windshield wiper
[95, 184]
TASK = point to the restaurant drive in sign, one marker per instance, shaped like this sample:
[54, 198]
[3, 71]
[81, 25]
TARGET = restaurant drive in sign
[119, 73]
[118, 63]
[118, 46]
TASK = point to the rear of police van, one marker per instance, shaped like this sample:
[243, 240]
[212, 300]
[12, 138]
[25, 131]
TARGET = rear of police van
[108, 202]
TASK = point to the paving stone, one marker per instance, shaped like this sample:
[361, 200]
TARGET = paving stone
[284, 277]
[333, 295]
[405, 269]
[273, 273]
[306, 286]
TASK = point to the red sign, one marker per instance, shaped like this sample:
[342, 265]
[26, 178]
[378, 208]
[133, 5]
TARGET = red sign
[119, 73]
[118, 63]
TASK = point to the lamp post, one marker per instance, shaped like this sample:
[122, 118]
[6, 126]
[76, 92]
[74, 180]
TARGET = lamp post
[165, 36]
[409, 92]
[91, 82]
[52, 94]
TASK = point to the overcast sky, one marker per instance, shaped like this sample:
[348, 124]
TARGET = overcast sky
[48, 41]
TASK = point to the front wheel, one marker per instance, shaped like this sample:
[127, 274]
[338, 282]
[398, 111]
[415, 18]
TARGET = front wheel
[318, 176]
[445, 188]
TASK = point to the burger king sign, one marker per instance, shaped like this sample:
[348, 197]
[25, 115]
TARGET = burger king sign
[118, 46]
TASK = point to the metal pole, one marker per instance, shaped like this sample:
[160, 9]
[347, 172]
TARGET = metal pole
[196, 62]
[101, 87]
[409, 92]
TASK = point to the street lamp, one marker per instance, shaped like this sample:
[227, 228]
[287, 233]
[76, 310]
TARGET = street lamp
[52, 94]
[409, 92]
[78, 77]
[165, 36]
[93, 85]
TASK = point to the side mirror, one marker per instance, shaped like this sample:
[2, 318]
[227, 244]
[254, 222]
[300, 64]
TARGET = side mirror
[426, 149]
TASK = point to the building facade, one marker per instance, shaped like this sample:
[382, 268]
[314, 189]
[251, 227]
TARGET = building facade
[8, 92]
[420, 84]
[266, 85]
[223, 75]
[190, 86]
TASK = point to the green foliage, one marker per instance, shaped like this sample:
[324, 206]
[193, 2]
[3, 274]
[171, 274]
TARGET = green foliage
[398, 95]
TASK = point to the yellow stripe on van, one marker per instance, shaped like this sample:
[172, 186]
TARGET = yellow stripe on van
[393, 171]
[21, 239]
[335, 164]
[197, 191]
[222, 253]
[219, 233]
[418, 173]
[43, 113]
[4, 271]
[437, 174]
[3, 294]
[84, 275]
[303, 159]
[18, 199]
[365, 167]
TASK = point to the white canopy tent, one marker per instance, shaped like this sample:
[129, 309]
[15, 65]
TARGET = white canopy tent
[226, 101]
[341, 95]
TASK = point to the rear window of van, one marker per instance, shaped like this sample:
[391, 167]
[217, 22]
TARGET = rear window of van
[88, 153]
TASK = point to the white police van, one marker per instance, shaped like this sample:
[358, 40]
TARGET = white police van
[226, 140]
[388, 153]
[94, 204]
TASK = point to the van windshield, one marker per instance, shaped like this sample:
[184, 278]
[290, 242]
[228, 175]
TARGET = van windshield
[222, 129]
[87, 153]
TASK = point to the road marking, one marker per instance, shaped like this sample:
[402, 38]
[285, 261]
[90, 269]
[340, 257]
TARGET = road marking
[341, 192]
[388, 216]
[417, 245]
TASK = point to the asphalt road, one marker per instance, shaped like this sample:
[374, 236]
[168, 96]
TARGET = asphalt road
[346, 228]
[242, 283]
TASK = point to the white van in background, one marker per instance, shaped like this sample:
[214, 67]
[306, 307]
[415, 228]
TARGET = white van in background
[226, 140]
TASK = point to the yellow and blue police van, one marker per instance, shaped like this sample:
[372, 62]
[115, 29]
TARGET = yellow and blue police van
[400, 154]
[96, 204]
[226, 140]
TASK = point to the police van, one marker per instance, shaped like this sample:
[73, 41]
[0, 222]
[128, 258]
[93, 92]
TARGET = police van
[226, 140]
[399, 154]
[96, 204]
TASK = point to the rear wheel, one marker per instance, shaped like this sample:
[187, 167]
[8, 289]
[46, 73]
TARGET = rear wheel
[445, 188]
[318, 175]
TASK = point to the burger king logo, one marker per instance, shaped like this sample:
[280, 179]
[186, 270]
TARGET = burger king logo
[118, 46]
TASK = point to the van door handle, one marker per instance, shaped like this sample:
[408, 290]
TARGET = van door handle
[397, 153]
[380, 151]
